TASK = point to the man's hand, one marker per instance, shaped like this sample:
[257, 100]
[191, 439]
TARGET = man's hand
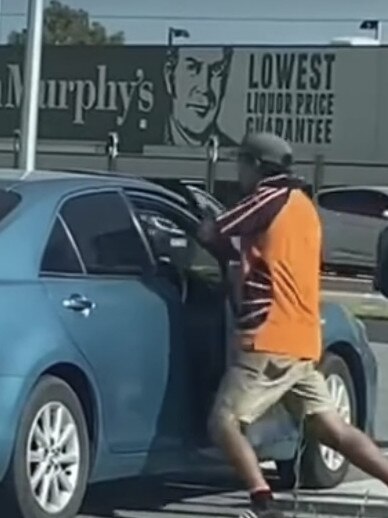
[207, 231]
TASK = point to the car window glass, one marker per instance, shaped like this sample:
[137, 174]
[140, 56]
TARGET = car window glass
[336, 201]
[9, 200]
[357, 201]
[365, 203]
[206, 203]
[104, 232]
[59, 255]
[156, 222]
[376, 205]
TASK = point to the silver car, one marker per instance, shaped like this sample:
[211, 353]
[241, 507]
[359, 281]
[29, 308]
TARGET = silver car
[352, 219]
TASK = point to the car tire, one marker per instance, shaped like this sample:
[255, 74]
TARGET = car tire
[320, 469]
[53, 414]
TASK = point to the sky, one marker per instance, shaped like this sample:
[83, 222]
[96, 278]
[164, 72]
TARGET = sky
[221, 21]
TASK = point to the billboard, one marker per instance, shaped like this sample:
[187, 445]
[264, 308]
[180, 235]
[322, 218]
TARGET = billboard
[322, 99]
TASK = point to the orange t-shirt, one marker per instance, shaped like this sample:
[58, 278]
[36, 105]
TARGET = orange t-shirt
[280, 236]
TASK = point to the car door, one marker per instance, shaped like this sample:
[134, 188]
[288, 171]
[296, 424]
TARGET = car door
[363, 217]
[206, 312]
[350, 226]
[114, 315]
[374, 205]
[331, 210]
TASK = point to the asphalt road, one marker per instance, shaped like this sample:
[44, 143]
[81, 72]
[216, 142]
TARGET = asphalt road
[183, 497]
[377, 330]
[178, 497]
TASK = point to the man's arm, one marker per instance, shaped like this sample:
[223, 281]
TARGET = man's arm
[209, 235]
[253, 214]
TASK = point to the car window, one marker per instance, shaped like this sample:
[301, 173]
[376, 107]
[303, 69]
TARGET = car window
[206, 202]
[9, 200]
[336, 201]
[106, 237]
[59, 255]
[171, 224]
[372, 204]
[361, 202]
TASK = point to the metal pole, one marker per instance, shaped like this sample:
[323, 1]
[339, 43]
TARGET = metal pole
[212, 159]
[379, 31]
[16, 148]
[318, 173]
[30, 104]
[170, 36]
[112, 150]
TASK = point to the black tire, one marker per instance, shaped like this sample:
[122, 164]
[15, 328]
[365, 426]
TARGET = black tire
[18, 495]
[315, 474]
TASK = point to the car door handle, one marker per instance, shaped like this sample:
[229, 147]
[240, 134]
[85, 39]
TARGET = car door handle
[78, 303]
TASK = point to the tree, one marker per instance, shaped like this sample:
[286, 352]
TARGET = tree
[64, 25]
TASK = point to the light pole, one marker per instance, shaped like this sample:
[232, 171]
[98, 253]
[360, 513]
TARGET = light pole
[176, 33]
[30, 100]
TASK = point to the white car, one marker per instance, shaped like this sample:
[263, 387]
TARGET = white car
[352, 219]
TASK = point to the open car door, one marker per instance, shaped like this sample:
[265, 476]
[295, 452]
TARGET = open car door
[200, 201]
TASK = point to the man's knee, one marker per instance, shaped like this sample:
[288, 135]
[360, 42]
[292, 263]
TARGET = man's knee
[330, 429]
[221, 424]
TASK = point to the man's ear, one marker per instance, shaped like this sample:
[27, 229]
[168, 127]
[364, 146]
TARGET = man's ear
[169, 78]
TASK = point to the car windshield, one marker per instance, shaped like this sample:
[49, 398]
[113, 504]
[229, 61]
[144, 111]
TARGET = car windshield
[9, 200]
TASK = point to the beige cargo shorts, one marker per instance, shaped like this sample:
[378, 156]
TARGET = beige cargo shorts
[256, 381]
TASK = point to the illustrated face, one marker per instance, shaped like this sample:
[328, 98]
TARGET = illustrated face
[196, 86]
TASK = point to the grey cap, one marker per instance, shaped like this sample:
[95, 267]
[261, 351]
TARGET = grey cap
[267, 148]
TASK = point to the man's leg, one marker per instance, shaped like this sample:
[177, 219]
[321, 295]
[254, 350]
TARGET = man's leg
[311, 397]
[254, 384]
[357, 447]
[230, 438]
[239, 402]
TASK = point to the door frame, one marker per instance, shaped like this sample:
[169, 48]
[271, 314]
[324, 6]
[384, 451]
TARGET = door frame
[161, 202]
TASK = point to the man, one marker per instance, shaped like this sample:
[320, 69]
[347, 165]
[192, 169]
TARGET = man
[278, 333]
[196, 82]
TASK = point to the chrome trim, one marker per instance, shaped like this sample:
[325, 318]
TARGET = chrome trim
[138, 226]
[73, 243]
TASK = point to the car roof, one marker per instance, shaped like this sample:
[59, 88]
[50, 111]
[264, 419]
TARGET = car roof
[41, 192]
[18, 175]
[349, 188]
[73, 180]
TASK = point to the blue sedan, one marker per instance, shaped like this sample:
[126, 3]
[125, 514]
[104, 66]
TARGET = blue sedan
[115, 327]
